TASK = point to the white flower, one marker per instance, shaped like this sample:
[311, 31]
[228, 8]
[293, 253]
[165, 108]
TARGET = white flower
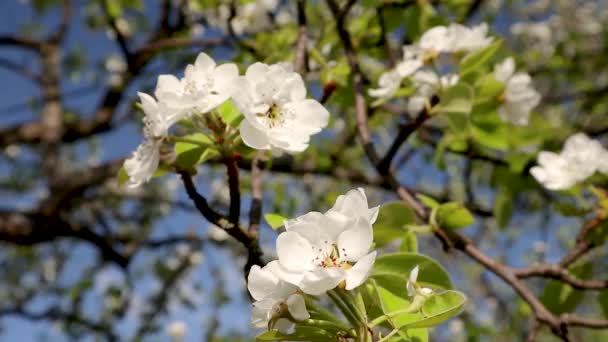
[320, 251]
[176, 329]
[204, 86]
[454, 38]
[412, 286]
[277, 113]
[436, 40]
[275, 299]
[465, 39]
[519, 96]
[579, 159]
[427, 83]
[143, 163]
[390, 81]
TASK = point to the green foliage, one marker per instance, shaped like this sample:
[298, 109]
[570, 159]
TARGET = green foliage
[275, 221]
[301, 333]
[392, 222]
[559, 297]
[391, 271]
[196, 150]
[453, 215]
[230, 114]
[477, 60]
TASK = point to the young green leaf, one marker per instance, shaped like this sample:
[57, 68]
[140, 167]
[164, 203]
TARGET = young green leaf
[479, 59]
[275, 221]
[453, 215]
[391, 222]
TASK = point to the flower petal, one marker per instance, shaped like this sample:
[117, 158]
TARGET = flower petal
[204, 62]
[261, 282]
[253, 137]
[359, 273]
[295, 252]
[356, 241]
[297, 307]
[321, 280]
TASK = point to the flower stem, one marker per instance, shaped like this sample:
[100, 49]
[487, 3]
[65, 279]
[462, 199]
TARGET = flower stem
[385, 338]
[322, 313]
[412, 308]
[190, 141]
[345, 308]
[327, 325]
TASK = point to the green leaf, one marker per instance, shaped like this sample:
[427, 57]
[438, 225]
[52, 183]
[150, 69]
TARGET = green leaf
[230, 114]
[391, 271]
[503, 207]
[488, 88]
[114, 8]
[559, 297]
[189, 155]
[603, 300]
[491, 135]
[391, 222]
[122, 177]
[439, 308]
[301, 333]
[428, 201]
[275, 221]
[478, 59]
[409, 243]
[453, 215]
[456, 99]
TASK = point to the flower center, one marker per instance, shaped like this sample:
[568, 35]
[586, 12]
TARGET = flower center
[331, 259]
[275, 116]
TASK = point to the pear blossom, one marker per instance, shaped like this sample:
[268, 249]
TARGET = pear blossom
[580, 158]
[412, 286]
[465, 39]
[275, 299]
[204, 86]
[277, 113]
[143, 163]
[519, 96]
[454, 38]
[176, 330]
[320, 251]
[427, 83]
[390, 81]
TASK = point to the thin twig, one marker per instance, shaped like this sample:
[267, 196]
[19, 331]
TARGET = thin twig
[255, 211]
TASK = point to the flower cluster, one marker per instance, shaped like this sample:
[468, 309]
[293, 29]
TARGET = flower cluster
[580, 158]
[271, 97]
[455, 38]
[316, 253]
[519, 96]
[518, 99]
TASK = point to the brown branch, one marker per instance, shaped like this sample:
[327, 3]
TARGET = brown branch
[20, 70]
[577, 321]
[404, 133]
[120, 38]
[23, 42]
[234, 230]
[557, 272]
[233, 186]
[300, 64]
[255, 211]
[58, 36]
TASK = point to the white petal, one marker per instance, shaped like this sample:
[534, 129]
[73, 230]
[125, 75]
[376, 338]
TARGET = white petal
[256, 71]
[204, 62]
[143, 163]
[261, 283]
[295, 252]
[297, 307]
[310, 115]
[321, 280]
[224, 77]
[356, 241]
[283, 274]
[356, 275]
[253, 137]
[284, 326]
[414, 274]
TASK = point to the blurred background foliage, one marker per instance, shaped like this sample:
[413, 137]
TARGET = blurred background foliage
[85, 259]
